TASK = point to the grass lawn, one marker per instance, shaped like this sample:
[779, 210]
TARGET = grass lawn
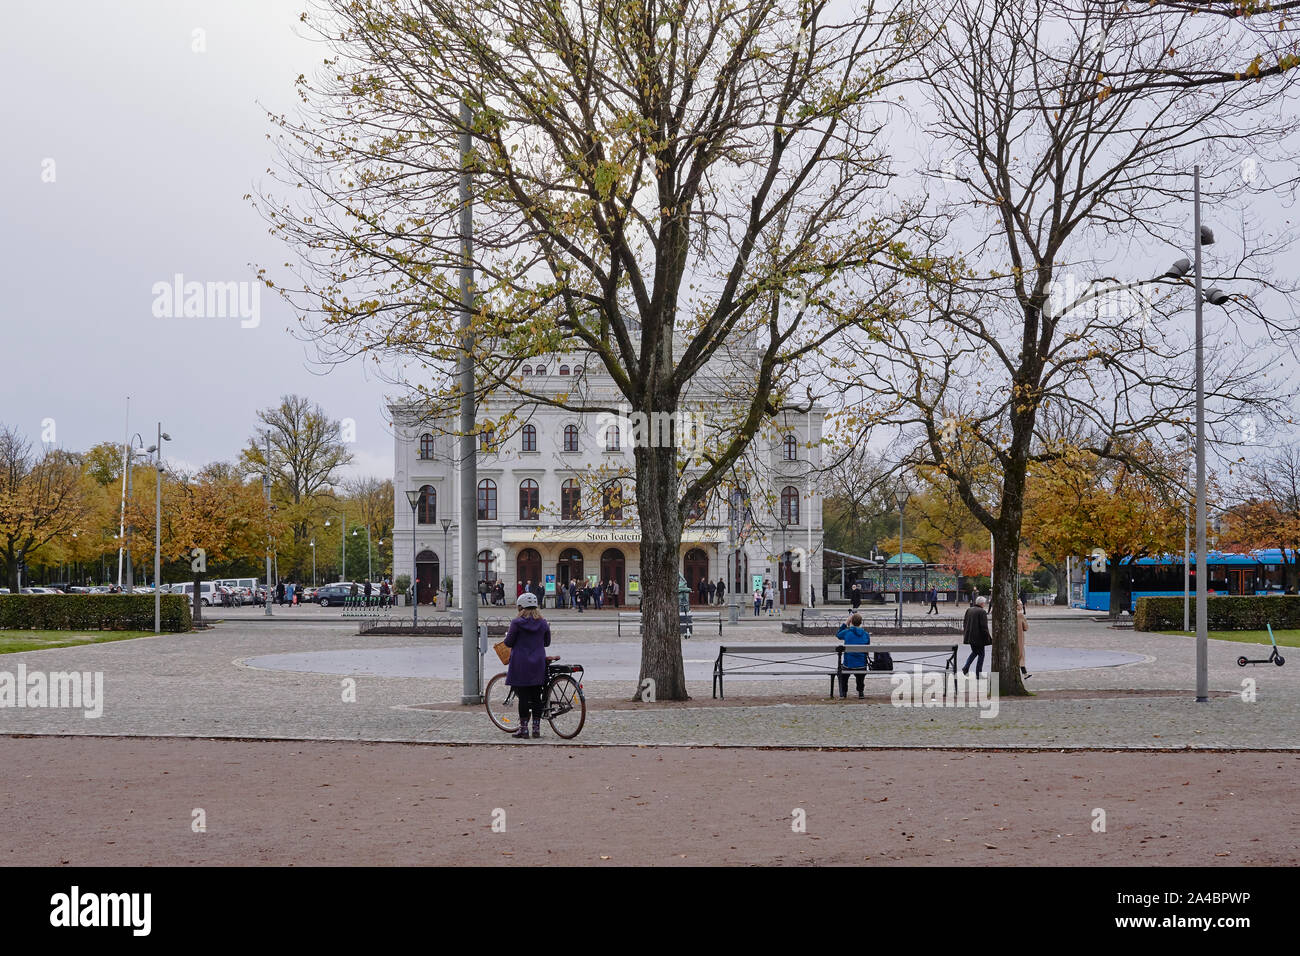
[13, 641]
[1284, 638]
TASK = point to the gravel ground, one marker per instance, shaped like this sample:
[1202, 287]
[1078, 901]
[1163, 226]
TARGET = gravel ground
[94, 802]
[197, 685]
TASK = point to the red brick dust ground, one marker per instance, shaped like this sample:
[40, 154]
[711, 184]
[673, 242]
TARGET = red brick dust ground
[131, 801]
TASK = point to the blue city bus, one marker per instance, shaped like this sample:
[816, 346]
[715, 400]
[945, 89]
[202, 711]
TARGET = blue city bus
[1257, 573]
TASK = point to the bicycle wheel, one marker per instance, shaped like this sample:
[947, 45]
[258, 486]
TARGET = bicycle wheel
[566, 708]
[502, 704]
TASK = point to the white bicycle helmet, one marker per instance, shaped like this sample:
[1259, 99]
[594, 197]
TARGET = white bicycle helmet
[527, 600]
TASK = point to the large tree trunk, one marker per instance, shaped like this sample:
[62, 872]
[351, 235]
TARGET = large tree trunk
[1002, 616]
[1060, 576]
[1120, 592]
[661, 535]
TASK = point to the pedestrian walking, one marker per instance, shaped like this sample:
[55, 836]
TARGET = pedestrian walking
[384, 592]
[528, 637]
[713, 592]
[975, 627]
[855, 596]
[366, 592]
[812, 594]
[722, 592]
[934, 601]
[702, 593]
[279, 593]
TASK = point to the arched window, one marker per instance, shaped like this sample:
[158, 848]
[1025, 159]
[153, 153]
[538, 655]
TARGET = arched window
[487, 500]
[578, 370]
[487, 565]
[530, 438]
[791, 448]
[541, 370]
[570, 500]
[613, 439]
[486, 439]
[570, 437]
[529, 500]
[528, 370]
[789, 505]
[564, 370]
[611, 502]
[426, 512]
[697, 510]
[426, 446]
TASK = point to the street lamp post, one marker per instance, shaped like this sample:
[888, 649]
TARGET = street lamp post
[344, 548]
[901, 495]
[157, 535]
[1203, 237]
[131, 446]
[446, 523]
[313, 562]
[369, 566]
[414, 498]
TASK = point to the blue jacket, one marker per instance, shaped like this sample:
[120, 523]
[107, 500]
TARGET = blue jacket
[854, 635]
[527, 639]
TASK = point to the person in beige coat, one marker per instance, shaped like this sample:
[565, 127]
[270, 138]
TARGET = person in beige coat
[1022, 625]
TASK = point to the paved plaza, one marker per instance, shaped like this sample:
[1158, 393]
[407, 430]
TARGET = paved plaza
[294, 677]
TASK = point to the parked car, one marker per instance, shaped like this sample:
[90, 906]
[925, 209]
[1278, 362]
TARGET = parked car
[207, 592]
[334, 594]
[40, 591]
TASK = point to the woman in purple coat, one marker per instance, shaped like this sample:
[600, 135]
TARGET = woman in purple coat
[528, 638]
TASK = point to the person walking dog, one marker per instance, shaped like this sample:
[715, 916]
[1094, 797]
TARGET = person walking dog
[975, 626]
[528, 637]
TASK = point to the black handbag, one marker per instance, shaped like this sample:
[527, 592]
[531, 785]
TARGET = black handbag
[881, 662]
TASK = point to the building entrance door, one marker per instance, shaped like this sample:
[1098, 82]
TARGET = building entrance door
[695, 568]
[612, 566]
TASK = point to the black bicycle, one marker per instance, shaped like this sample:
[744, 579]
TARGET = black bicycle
[563, 704]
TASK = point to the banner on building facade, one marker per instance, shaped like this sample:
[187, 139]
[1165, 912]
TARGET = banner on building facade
[602, 536]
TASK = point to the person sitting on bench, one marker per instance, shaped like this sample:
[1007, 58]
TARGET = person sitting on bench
[852, 633]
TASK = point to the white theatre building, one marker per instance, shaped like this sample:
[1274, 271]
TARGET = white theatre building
[556, 499]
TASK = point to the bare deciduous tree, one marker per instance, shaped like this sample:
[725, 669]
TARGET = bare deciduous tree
[685, 196]
[1065, 133]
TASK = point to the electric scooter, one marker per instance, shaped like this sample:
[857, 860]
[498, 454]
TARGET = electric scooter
[1274, 658]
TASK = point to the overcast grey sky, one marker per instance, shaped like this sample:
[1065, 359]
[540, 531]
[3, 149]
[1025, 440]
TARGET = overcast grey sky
[133, 130]
[153, 145]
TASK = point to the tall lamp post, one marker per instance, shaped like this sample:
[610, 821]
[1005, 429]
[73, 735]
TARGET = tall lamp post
[1204, 237]
[344, 548]
[131, 446]
[313, 562]
[157, 533]
[901, 495]
[446, 603]
[369, 566]
[414, 498]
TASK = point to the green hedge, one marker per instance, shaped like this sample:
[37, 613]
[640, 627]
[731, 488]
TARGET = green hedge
[1240, 613]
[92, 612]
